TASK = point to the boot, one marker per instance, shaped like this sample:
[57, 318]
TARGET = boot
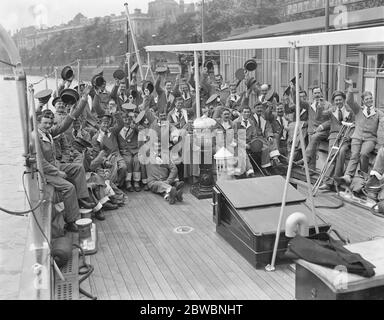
[99, 215]
[85, 204]
[136, 186]
[71, 227]
[172, 196]
[110, 206]
[128, 186]
[145, 187]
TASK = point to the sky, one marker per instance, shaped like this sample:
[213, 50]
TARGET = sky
[16, 14]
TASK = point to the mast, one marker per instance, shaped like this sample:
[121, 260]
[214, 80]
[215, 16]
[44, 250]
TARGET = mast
[134, 42]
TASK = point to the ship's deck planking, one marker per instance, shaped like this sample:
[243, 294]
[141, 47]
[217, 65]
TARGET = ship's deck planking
[141, 257]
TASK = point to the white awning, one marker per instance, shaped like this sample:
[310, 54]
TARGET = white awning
[361, 36]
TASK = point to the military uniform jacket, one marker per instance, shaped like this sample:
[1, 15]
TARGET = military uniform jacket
[317, 114]
[178, 121]
[251, 132]
[128, 140]
[108, 141]
[165, 102]
[334, 123]
[278, 126]
[161, 172]
[264, 128]
[47, 144]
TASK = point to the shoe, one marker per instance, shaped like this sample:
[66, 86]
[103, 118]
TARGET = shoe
[128, 187]
[136, 187]
[343, 180]
[373, 183]
[172, 196]
[179, 195]
[145, 187]
[110, 206]
[71, 227]
[326, 187]
[179, 185]
[85, 204]
[99, 215]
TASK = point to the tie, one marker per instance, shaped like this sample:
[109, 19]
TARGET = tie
[168, 93]
[340, 116]
[75, 133]
[48, 137]
[368, 110]
[246, 123]
[258, 121]
[281, 120]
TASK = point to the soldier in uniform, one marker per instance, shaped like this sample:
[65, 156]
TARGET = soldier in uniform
[165, 97]
[107, 139]
[129, 148]
[68, 179]
[178, 116]
[234, 101]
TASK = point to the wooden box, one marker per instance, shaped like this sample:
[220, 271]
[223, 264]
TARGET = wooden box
[315, 282]
[246, 213]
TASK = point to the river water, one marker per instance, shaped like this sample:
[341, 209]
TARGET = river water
[13, 229]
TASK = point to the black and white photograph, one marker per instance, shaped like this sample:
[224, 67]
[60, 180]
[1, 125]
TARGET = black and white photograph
[189, 157]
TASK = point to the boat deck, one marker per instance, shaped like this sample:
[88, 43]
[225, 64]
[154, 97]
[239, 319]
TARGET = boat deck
[141, 257]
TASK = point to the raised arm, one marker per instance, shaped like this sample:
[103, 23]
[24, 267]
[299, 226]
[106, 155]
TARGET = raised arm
[355, 107]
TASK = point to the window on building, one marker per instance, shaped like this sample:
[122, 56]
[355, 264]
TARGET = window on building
[352, 72]
[380, 93]
[313, 67]
[226, 73]
[283, 56]
[370, 63]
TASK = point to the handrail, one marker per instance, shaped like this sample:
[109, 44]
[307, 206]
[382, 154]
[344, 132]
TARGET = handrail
[36, 275]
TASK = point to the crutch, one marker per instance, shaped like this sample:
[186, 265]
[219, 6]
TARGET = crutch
[333, 153]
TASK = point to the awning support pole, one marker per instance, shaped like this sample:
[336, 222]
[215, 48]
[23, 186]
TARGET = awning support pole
[271, 267]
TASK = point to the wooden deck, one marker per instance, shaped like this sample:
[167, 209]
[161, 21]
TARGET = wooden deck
[141, 257]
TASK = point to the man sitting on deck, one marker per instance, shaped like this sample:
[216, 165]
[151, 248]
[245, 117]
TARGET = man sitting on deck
[161, 179]
[318, 113]
[339, 116]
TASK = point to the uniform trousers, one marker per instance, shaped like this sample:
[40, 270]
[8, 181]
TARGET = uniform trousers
[72, 188]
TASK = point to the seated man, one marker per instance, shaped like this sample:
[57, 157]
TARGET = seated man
[178, 116]
[68, 179]
[318, 112]
[339, 115]
[107, 139]
[244, 122]
[129, 148]
[161, 179]
[166, 97]
[376, 176]
[233, 101]
[280, 129]
[364, 137]
[265, 132]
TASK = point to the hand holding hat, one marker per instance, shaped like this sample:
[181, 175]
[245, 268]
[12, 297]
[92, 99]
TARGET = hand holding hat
[349, 82]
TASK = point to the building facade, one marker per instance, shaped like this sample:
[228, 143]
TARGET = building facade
[158, 12]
